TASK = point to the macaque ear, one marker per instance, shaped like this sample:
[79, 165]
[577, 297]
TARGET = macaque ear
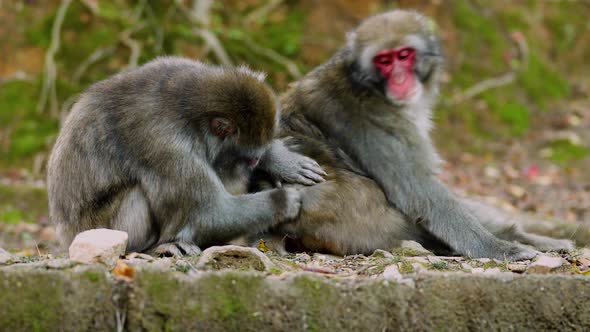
[222, 127]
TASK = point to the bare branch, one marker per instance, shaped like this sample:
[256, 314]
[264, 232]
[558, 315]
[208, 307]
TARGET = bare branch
[274, 56]
[93, 58]
[132, 44]
[213, 42]
[50, 69]
[201, 10]
[200, 16]
[262, 11]
[480, 87]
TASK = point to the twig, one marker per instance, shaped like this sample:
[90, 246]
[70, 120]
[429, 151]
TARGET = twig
[200, 16]
[495, 82]
[91, 5]
[201, 10]
[213, 42]
[274, 56]
[132, 44]
[485, 85]
[93, 58]
[262, 11]
[50, 68]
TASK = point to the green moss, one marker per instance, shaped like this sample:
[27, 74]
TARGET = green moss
[564, 151]
[22, 204]
[541, 82]
[30, 307]
[93, 276]
[440, 265]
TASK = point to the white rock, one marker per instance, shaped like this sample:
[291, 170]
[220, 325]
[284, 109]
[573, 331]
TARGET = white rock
[234, 257]
[5, 257]
[98, 246]
[494, 270]
[418, 259]
[382, 254]
[391, 272]
[477, 270]
[419, 268]
[545, 264]
[517, 268]
[466, 267]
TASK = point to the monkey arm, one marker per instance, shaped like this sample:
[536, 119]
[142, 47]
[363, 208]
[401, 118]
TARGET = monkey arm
[421, 197]
[285, 165]
[203, 211]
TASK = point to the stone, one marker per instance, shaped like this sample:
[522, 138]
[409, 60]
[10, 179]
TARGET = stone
[517, 268]
[434, 259]
[98, 246]
[419, 268]
[391, 272]
[382, 254]
[545, 264]
[418, 259]
[325, 257]
[494, 270]
[5, 257]
[60, 263]
[477, 270]
[416, 248]
[234, 257]
[466, 266]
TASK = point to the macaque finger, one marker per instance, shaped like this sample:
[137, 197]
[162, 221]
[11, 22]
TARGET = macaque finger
[313, 176]
[315, 168]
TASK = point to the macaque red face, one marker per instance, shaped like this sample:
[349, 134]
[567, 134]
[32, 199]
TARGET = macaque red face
[397, 66]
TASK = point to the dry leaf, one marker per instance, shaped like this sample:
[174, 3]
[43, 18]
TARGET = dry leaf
[124, 271]
[262, 246]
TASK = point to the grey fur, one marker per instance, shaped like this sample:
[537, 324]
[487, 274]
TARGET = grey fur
[136, 154]
[384, 189]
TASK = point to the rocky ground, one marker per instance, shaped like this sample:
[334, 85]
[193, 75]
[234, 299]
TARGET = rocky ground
[232, 288]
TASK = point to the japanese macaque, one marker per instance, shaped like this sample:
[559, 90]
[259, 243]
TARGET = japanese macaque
[164, 152]
[364, 116]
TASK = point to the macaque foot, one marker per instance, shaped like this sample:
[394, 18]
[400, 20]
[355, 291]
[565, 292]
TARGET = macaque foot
[175, 249]
[549, 244]
[507, 251]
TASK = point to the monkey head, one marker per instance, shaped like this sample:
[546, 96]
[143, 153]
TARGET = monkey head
[398, 54]
[243, 114]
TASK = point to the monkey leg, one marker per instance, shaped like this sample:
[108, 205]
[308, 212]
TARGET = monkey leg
[133, 217]
[507, 227]
[349, 214]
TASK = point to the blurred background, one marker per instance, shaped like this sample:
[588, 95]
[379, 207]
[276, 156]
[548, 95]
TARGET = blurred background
[513, 121]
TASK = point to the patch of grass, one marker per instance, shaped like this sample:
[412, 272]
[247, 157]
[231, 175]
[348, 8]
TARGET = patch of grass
[440, 265]
[564, 151]
[541, 82]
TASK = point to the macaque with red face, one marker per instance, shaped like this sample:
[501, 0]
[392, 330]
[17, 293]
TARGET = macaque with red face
[365, 116]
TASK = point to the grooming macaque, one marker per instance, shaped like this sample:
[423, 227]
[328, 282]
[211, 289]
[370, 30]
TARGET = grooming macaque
[364, 116]
[164, 152]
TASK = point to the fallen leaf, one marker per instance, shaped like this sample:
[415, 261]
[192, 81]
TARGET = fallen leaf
[262, 246]
[123, 271]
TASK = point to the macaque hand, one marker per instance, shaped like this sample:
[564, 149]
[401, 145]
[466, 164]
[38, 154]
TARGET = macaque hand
[293, 167]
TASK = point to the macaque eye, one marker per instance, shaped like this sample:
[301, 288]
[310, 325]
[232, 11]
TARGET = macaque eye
[405, 53]
[383, 60]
